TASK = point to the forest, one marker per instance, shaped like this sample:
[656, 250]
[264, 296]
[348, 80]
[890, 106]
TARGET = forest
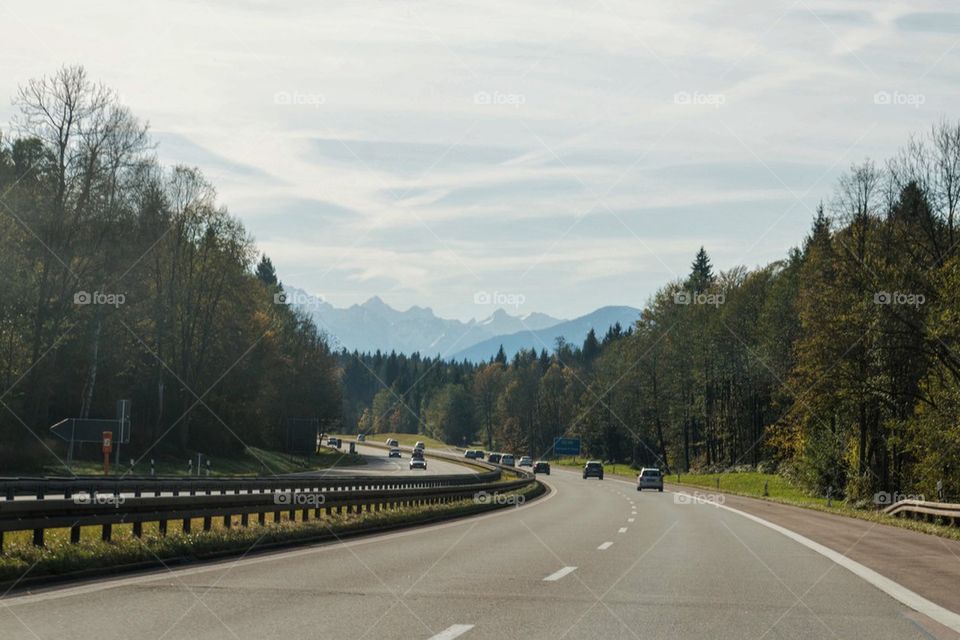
[837, 366]
[124, 279]
[121, 278]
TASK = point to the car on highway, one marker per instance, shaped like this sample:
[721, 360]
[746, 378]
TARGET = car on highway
[541, 466]
[392, 443]
[650, 478]
[419, 445]
[361, 437]
[525, 461]
[494, 458]
[394, 453]
[593, 469]
[473, 454]
[333, 442]
[418, 463]
[507, 459]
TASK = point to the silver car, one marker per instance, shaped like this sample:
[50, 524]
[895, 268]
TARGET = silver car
[650, 478]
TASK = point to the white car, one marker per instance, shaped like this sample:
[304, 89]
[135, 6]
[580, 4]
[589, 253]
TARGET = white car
[525, 461]
[418, 463]
[419, 445]
[507, 459]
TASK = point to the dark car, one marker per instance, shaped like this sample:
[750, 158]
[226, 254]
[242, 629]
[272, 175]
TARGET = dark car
[541, 466]
[494, 458]
[593, 469]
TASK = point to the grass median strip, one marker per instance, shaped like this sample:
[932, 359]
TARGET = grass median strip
[61, 558]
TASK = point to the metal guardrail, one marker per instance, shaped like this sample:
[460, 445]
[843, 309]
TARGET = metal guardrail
[42, 488]
[922, 510]
[104, 502]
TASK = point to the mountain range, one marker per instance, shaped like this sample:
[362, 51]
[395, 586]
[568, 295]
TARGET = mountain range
[376, 325]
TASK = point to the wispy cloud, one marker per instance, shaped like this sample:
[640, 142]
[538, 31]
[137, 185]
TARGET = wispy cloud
[580, 152]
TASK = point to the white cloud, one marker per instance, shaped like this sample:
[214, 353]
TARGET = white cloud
[427, 187]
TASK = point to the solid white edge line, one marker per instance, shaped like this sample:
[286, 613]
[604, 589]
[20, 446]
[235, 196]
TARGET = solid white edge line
[452, 632]
[893, 589]
[622, 530]
[556, 575]
[605, 546]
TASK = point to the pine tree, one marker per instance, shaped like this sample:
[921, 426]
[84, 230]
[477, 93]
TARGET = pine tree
[265, 271]
[701, 272]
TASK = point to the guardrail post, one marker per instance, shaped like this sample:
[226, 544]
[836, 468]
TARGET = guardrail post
[107, 532]
[75, 534]
[162, 527]
[1, 541]
[38, 537]
[262, 518]
[244, 519]
[186, 525]
[207, 522]
[138, 529]
[276, 517]
[227, 521]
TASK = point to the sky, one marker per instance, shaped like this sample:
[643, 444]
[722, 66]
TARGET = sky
[560, 155]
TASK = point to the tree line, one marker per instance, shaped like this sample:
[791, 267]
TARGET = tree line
[121, 278]
[838, 365]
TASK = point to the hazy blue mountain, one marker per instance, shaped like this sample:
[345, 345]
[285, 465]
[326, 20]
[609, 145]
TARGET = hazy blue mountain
[573, 331]
[376, 325]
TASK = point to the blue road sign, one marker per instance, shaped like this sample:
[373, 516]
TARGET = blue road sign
[566, 446]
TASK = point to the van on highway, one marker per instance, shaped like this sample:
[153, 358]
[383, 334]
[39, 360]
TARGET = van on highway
[507, 459]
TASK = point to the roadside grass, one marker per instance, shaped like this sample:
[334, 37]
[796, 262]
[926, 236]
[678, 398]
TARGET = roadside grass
[20, 559]
[252, 462]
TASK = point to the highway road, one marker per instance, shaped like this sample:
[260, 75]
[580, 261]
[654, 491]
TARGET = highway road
[593, 559]
[379, 464]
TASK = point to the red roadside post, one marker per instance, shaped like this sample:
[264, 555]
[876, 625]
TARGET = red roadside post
[107, 448]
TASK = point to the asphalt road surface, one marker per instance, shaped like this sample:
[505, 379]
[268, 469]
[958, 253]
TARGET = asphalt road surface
[593, 559]
[379, 464]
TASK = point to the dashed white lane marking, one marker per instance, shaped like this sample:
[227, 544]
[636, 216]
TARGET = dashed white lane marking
[622, 530]
[605, 546]
[452, 632]
[630, 519]
[553, 577]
